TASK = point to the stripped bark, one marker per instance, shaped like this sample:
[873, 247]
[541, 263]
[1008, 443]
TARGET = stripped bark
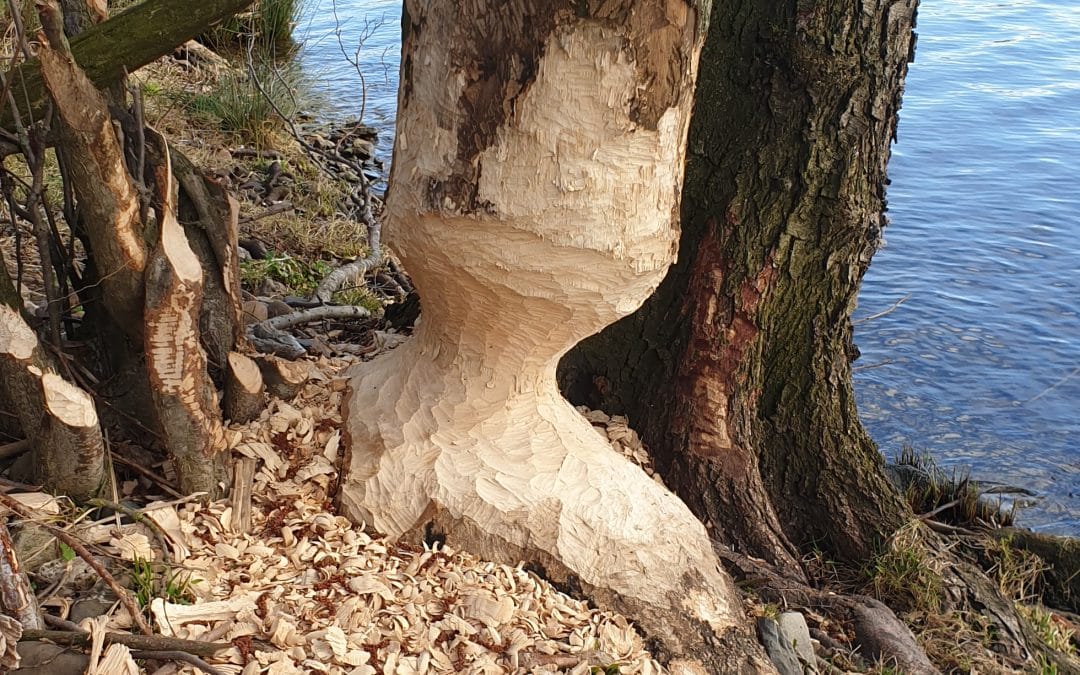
[526, 231]
[183, 394]
[240, 495]
[59, 418]
[245, 396]
[108, 202]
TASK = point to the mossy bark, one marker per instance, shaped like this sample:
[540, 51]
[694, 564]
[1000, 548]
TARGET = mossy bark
[122, 44]
[737, 371]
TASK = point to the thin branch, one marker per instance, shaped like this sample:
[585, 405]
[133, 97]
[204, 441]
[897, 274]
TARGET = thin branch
[155, 655]
[318, 314]
[149, 642]
[77, 546]
[892, 308]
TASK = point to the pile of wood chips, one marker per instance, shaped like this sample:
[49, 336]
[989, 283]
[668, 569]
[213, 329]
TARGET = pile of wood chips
[306, 591]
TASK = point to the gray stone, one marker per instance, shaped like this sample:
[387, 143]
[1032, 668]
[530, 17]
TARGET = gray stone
[781, 653]
[254, 311]
[882, 636]
[88, 608]
[276, 308]
[795, 632]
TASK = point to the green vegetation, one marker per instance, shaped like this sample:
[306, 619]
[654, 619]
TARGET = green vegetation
[239, 106]
[904, 575]
[950, 496]
[269, 23]
[300, 276]
[149, 582]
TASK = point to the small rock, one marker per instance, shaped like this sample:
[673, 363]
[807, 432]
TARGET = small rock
[88, 608]
[271, 287]
[277, 308]
[882, 636]
[363, 149]
[242, 253]
[255, 311]
[795, 632]
[781, 653]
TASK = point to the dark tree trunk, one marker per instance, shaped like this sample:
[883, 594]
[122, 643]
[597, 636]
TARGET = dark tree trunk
[737, 371]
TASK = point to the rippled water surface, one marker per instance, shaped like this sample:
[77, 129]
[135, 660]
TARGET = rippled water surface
[980, 364]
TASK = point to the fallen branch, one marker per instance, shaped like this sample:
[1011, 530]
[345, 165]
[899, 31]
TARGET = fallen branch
[176, 656]
[80, 550]
[276, 208]
[318, 314]
[150, 642]
[269, 337]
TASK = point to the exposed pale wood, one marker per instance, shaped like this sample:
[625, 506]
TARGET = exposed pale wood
[243, 481]
[183, 394]
[526, 229]
[106, 195]
[58, 418]
[245, 396]
[284, 379]
[16, 595]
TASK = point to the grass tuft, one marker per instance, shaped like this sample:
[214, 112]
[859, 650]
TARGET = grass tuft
[904, 575]
[239, 107]
[951, 496]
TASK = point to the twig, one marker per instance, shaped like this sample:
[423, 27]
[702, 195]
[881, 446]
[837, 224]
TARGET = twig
[160, 480]
[870, 366]
[81, 638]
[276, 208]
[139, 517]
[1054, 386]
[13, 449]
[318, 314]
[154, 655]
[892, 308]
[943, 507]
[129, 604]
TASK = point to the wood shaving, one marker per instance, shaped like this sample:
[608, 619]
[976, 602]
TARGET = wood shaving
[307, 591]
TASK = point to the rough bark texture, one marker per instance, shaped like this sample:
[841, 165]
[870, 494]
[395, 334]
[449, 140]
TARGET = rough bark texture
[57, 417]
[107, 200]
[526, 229]
[124, 43]
[17, 598]
[737, 371]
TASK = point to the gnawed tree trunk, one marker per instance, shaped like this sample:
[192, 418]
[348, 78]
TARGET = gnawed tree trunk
[58, 418]
[184, 396]
[245, 396]
[155, 291]
[535, 179]
[737, 371]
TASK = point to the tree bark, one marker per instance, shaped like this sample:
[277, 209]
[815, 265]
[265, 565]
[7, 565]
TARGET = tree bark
[535, 181]
[57, 417]
[737, 371]
[122, 44]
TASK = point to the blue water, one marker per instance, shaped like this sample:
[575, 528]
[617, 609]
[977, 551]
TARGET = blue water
[979, 364]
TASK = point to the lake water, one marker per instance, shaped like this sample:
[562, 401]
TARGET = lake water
[979, 366]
